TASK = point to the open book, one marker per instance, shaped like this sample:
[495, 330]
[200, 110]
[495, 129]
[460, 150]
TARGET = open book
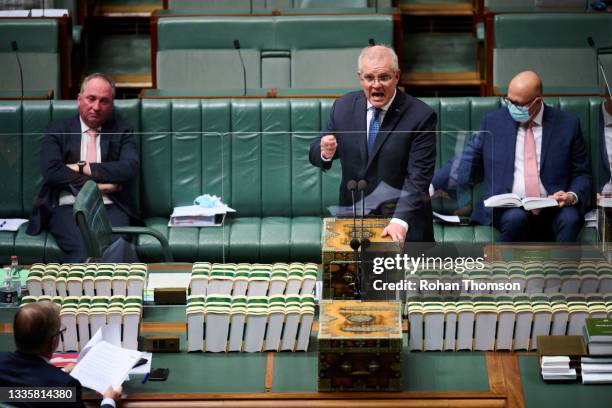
[512, 200]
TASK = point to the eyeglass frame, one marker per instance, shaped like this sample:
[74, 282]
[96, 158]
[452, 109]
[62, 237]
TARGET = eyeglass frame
[382, 79]
[527, 105]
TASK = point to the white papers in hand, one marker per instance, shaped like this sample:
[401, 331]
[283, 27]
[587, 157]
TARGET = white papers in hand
[105, 366]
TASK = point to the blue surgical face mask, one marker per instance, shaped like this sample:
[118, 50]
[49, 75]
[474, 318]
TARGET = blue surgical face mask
[518, 113]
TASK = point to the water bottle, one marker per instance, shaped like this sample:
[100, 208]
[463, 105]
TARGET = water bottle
[10, 289]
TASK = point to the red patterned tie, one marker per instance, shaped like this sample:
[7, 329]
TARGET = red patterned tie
[92, 151]
[530, 161]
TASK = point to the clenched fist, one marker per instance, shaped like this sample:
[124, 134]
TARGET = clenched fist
[328, 146]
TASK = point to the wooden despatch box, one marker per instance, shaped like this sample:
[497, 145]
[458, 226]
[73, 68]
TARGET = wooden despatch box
[359, 346]
[338, 258]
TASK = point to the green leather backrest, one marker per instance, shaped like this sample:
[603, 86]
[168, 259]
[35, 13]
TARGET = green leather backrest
[269, 4]
[38, 42]
[501, 6]
[92, 220]
[545, 41]
[303, 51]
[259, 174]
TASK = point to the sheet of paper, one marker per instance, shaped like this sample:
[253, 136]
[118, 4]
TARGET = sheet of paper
[14, 13]
[168, 280]
[49, 12]
[195, 210]
[105, 365]
[454, 219]
[11, 224]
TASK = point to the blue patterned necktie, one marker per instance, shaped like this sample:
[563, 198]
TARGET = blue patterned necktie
[374, 127]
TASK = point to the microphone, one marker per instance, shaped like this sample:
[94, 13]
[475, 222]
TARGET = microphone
[352, 186]
[15, 48]
[603, 72]
[371, 42]
[361, 187]
[43, 7]
[237, 47]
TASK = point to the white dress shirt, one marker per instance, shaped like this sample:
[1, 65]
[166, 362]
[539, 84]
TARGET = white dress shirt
[66, 198]
[518, 185]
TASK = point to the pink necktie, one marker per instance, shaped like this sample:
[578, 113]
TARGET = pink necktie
[532, 181]
[92, 153]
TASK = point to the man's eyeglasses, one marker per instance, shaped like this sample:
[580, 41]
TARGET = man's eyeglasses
[61, 331]
[383, 79]
[527, 105]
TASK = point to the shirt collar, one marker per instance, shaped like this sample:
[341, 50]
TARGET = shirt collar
[386, 106]
[85, 128]
[538, 118]
[607, 118]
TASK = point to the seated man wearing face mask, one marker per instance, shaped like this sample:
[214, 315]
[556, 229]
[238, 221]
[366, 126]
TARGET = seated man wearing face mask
[529, 149]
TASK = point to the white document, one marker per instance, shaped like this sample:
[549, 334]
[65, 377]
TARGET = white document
[555, 361]
[105, 366]
[11, 224]
[197, 216]
[14, 13]
[49, 12]
[168, 280]
[453, 219]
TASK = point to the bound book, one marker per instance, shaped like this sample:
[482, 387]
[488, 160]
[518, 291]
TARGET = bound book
[513, 200]
[598, 330]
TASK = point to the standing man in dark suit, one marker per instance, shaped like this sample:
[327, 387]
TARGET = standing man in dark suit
[37, 329]
[532, 150]
[93, 145]
[604, 179]
[383, 135]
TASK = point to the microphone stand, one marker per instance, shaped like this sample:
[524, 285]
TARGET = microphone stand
[355, 243]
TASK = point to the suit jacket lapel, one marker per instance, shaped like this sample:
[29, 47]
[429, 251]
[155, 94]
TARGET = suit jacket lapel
[547, 137]
[360, 119]
[392, 117]
[75, 140]
[507, 147]
[105, 136]
[605, 163]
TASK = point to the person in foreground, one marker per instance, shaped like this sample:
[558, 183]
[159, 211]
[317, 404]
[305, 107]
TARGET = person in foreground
[532, 150]
[383, 135]
[93, 145]
[37, 329]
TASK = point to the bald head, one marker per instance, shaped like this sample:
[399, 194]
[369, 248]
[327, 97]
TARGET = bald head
[524, 88]
[35, 325]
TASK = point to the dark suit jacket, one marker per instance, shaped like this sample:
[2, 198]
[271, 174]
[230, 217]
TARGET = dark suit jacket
[564, 163]
[24, 370]
[62, 145]
[404, 161]
[603, 165]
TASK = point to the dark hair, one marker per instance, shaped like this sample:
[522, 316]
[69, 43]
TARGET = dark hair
[34, 325]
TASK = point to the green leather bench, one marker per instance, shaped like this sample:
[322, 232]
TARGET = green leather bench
[504, 6]
[544, 42]
[266, 177]
[304, 51]
[43, 44]
[272, 4]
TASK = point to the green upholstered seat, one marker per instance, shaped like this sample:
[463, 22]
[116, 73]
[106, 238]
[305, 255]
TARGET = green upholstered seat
[504, 6]
[296, 51]
[543, 42]
[95, 227]
[251, 152]
[38, 42]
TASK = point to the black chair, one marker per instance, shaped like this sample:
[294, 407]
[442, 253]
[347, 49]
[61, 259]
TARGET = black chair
[91, 217]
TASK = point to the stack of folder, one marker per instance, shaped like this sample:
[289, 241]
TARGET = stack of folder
[83, 316]
[245, 279]
[87, 280]
[498, 322]
[220, 323]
